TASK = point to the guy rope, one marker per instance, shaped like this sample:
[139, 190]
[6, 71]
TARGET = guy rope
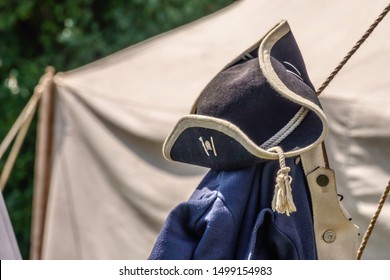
[20, 127]
[325, 84]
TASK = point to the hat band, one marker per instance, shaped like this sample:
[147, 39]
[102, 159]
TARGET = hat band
[286, 130]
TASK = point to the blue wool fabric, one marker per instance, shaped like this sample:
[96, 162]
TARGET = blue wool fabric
[229, 216]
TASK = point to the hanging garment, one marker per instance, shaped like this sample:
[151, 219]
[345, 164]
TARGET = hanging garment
[229, 216]
[258, 121]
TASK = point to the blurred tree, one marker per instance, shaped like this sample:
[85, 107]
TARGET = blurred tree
[67, 34]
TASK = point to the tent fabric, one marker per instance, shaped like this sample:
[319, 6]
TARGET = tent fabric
[9, 249]
[103, 179]
[110, 187]
[358, 148]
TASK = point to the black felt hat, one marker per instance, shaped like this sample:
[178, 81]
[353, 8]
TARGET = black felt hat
[260, 100]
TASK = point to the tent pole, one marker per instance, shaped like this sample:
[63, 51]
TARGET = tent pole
[42, 172]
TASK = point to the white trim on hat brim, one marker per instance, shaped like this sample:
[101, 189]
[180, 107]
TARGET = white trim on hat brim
[229, 129]
[264, 55]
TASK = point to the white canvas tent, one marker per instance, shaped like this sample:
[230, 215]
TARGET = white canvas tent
[102, 186]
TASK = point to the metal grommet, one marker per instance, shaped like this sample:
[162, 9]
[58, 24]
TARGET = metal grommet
[322, 180]
[329, 236]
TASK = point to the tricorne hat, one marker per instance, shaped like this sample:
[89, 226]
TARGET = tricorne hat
[260, 100]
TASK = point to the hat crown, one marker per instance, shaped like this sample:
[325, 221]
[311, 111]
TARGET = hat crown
[241, 94]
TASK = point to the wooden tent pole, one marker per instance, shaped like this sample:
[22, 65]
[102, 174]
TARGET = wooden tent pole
[42, 172]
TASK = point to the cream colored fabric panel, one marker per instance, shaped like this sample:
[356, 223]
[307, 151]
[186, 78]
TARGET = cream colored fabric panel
[9, 249]
[152, 121]
[111, 190]
[358, 148]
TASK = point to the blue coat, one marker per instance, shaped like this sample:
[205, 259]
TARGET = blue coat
[229, 216]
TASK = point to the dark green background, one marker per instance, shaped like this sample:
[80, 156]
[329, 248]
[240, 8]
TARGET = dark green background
[67, 34]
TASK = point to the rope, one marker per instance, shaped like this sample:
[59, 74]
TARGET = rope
[20, 121]
[354, 49]
[326, 83]
[373, 222]
[16, 147]
[20, 127]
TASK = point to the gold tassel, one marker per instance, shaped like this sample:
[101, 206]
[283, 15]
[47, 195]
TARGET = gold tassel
[282, 201]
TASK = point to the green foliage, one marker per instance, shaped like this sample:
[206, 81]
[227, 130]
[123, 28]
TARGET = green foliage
[67, 34]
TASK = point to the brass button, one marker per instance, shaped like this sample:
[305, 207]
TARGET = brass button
[329, 236]
[322, 180]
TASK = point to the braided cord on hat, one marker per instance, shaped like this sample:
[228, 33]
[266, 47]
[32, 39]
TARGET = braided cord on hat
[286, 130]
